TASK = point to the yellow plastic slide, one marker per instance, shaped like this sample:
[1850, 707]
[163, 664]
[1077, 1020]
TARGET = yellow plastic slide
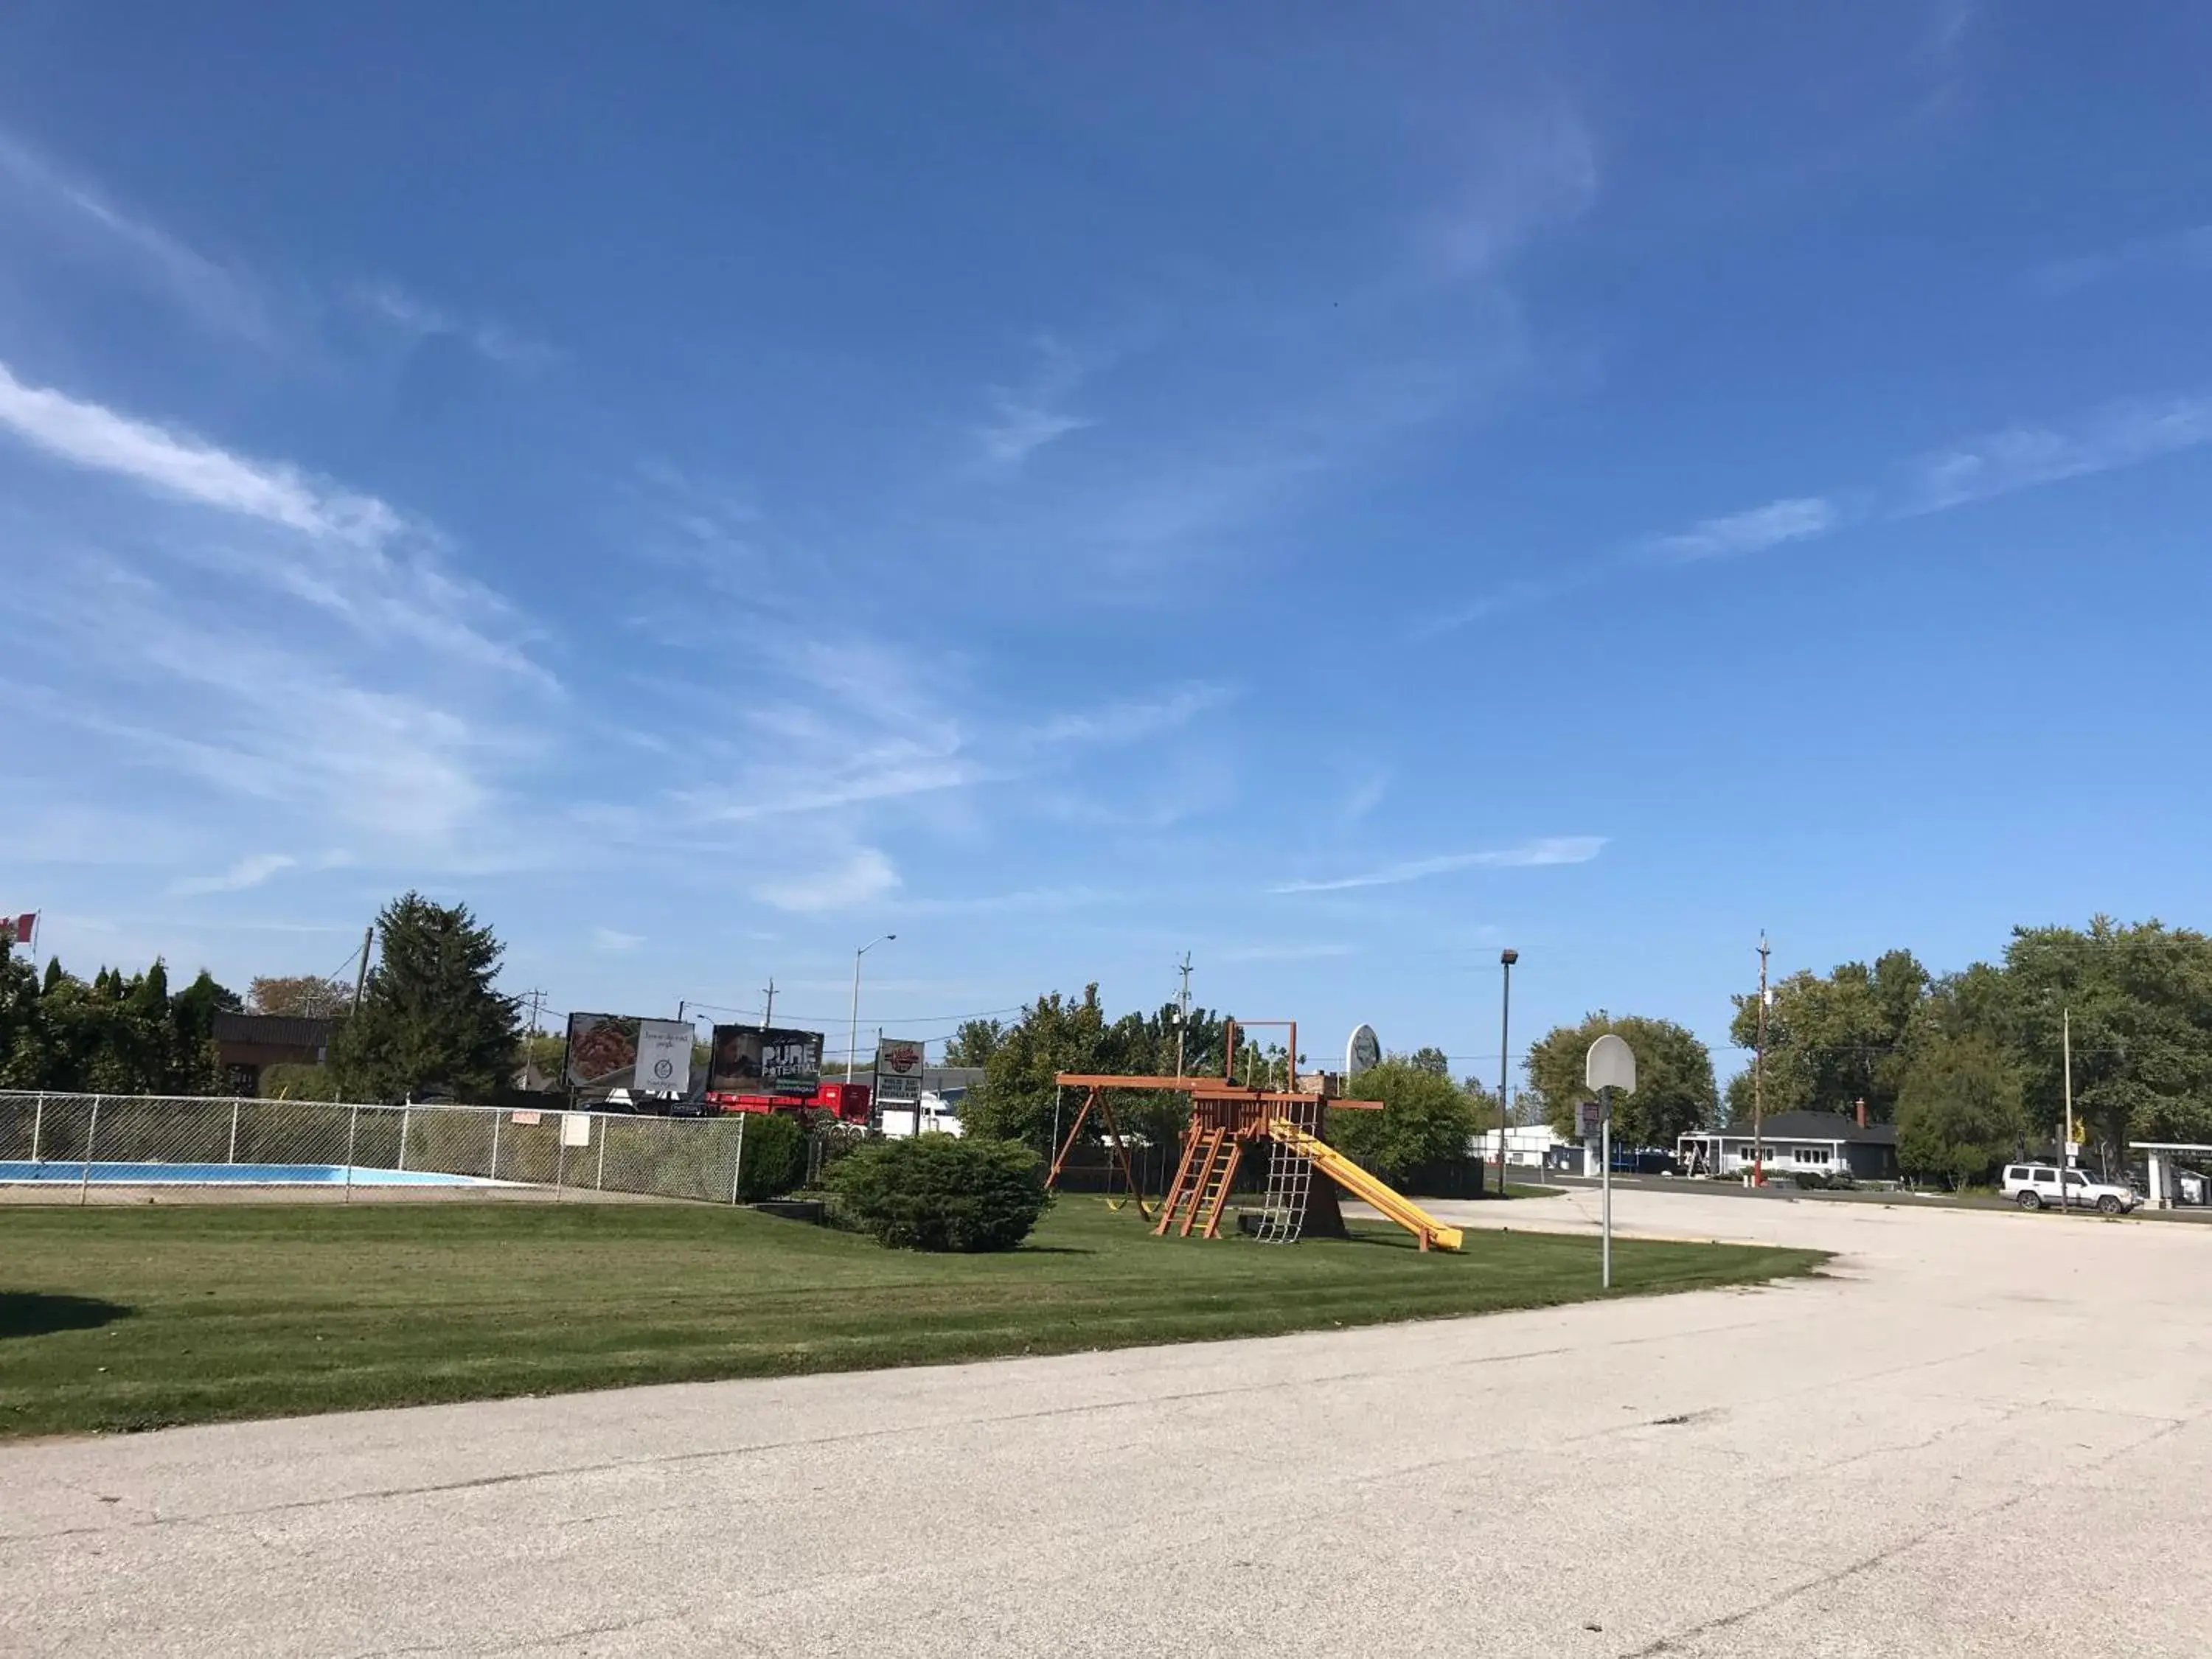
[1365, 1187]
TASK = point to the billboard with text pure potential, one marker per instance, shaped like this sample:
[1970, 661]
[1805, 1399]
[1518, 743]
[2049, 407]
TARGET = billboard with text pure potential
[750, 1061]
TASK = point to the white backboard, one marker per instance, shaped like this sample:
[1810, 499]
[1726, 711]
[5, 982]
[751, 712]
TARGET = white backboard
[1610, 1065]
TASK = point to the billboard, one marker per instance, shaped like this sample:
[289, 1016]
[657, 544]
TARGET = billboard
[898, 1072]
[613, 1051]
[750, 1060]
[664, 1055]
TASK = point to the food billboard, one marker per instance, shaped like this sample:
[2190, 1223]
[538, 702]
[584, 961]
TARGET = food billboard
[604, 1052]
[753, 1059]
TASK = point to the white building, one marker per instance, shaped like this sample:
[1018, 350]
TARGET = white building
[1528, 1147]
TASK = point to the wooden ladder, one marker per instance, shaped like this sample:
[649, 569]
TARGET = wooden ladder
[1210, 1192]
[1201, 1189]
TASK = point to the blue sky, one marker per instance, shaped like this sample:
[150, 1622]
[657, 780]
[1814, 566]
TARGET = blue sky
[1333, 492]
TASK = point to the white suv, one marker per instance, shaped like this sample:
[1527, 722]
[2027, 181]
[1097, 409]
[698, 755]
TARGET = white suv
[2031, 1186]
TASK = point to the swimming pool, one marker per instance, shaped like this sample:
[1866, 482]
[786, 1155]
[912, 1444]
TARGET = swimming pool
[72, 1174]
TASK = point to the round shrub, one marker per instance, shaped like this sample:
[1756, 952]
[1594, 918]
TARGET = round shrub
[775, 1159]
[942, 1193]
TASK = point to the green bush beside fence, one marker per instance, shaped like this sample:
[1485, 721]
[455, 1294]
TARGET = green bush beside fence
[938, 1192]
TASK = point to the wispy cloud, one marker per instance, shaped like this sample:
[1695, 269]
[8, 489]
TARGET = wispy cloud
[1027, 900]
[1513, 596]
[865, 875]
[90, 435]
[1126, 722]
[343, 552]
[249, 872]
[218, 296]
[418, 318]
[2023, 456]
[1027, 417]
[250, 717]
[853, 725]
[1530, 169]
[2187, 249]
[606, 938]
[1363, 797]
[1547, 850]
[1022, 427]
[1791, 520]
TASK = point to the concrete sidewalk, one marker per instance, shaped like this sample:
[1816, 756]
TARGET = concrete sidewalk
[1978, 1432]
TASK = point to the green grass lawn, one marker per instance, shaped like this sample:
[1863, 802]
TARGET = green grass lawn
[121, 1319]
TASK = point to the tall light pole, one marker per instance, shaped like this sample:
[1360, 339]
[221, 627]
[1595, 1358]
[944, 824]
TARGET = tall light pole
[853, 1040]
[1505, 960]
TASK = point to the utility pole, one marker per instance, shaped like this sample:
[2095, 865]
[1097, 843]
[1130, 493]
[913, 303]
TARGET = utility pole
[1182, 1010]
[767, 1012]
[535, 1001]
[360, 979]
[1759, 1077]
[2066, 1050]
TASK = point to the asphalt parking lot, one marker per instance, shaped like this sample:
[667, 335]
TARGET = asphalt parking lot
[1978, 1432]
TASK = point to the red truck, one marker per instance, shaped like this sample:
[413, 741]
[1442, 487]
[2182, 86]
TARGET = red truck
[847, 1102]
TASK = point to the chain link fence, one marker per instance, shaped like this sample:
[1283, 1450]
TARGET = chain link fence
[108, 1140]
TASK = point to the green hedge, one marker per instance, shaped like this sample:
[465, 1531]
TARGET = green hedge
[775, 1157]
[940, 1193]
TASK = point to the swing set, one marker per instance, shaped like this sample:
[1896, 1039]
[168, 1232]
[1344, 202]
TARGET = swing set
[1230, 1121]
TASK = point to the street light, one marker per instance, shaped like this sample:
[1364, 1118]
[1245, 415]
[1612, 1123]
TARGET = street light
[853, 1041]
[1505, 960]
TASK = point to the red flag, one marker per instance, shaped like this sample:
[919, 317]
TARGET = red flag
[26, 925]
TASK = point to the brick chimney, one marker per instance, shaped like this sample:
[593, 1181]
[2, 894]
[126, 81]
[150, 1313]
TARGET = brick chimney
[1861, 1114]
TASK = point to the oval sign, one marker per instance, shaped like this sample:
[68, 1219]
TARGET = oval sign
[1362, 1050]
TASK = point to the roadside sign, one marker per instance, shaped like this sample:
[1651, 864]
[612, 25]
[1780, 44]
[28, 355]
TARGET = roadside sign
[1363, 1049]
[898, 1072]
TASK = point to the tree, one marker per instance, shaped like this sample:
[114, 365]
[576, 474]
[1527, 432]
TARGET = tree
[1433, 1060]
[301, 996]
[22, 1031]
[429, 1018]
[1054, 1034]
[1958, 1113]
[1426, 1119]
[112, 1036]
[975, 1041]
[197, 1004]
[1057, 1034]
[2139, 998]
[1833, 1042]
[1674, 1088]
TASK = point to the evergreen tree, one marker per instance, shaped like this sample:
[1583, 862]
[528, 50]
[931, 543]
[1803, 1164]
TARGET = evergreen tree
[429, 1018]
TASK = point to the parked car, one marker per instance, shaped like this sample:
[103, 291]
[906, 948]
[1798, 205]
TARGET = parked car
[2033, 1185]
